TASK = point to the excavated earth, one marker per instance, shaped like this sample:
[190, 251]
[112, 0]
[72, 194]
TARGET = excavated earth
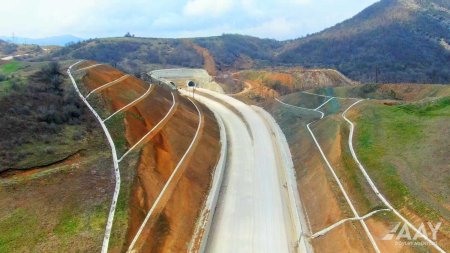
[172, 230]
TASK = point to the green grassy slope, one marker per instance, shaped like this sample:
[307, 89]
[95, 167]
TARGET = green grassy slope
[403, 149]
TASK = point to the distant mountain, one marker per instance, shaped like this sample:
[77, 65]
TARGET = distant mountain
[392, 40]
[61, 40]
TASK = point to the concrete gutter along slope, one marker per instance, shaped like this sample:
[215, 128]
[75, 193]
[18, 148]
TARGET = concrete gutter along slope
[254, 212]
[112, 209]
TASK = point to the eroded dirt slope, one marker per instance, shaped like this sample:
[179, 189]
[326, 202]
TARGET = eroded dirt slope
[287, 80]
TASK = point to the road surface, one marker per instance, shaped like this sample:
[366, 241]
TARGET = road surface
[251, 214]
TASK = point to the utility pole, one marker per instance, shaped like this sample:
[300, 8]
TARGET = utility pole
[376, 73]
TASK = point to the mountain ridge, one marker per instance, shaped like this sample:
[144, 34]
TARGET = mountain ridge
[391, 41]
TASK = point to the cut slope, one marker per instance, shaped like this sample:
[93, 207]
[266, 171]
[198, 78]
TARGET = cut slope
[281, 81]
[159, 153]
[394, 141]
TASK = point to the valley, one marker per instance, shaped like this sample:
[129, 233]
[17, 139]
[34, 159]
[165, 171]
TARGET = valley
[184, 135]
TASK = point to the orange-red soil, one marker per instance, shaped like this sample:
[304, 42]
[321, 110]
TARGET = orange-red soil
[172, 229]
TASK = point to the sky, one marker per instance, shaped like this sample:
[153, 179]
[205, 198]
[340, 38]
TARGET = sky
[275, 19]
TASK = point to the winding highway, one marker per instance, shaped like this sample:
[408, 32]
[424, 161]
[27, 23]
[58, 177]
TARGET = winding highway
[253, 210]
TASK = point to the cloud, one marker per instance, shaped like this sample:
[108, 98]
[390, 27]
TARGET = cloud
[299, 2]
[207, 7]
[282, 19]
[278, 27]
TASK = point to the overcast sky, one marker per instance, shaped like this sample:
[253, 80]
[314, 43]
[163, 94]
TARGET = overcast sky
[278, 19]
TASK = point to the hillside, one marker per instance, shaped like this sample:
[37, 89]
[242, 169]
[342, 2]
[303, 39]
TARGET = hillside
[38, 99]
[143, 54]
[152, 162]
[396, 132]
[404, 40]
[233, 51]
[56, 175]
[135, 55]
[288, 80]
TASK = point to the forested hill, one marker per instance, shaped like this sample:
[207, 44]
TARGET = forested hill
[405, 40]
[392, 41]
[136, 54]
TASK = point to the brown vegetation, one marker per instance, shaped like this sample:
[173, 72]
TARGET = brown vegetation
[208, 60]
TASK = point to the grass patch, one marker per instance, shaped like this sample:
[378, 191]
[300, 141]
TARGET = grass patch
[19, 230]
[136, 116]
[116, 127]
[437, 107]
[10, 67]
[16, 83]
[73, 221]
[304, 100]
[355, 179]
[121, 218]
[5, 87]
[386, 135]
[69, 224]
[380, 127]
[60, 147]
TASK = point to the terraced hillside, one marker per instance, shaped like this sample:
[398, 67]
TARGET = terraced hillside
[397, 131]
[153, 138]
[56, 188]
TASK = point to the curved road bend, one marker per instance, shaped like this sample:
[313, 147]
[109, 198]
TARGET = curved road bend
[249, 215]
